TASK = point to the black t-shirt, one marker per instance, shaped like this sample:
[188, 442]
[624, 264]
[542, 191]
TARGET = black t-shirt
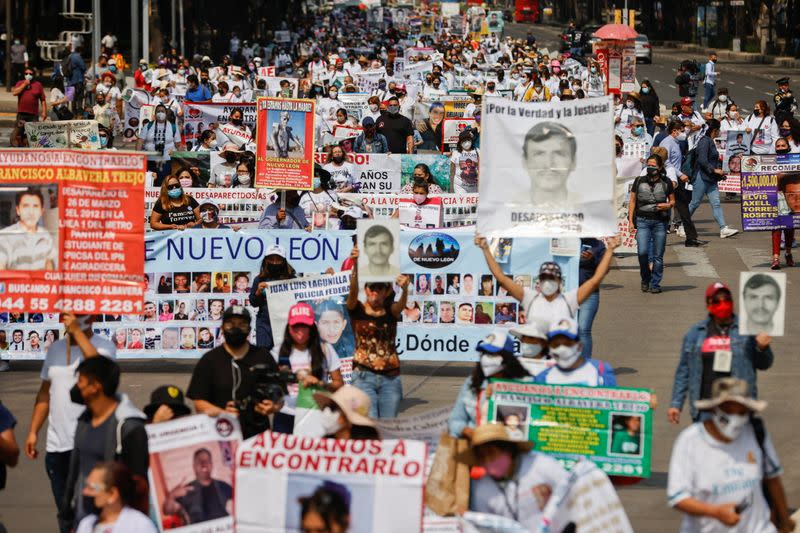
[92, 447]
[717, 339]
[213, 377]
[396, 130]
[177, 215]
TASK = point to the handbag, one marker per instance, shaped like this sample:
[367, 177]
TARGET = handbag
[447, 486]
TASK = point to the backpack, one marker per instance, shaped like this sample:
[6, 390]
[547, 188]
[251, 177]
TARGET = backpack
[689, 163]
[66, 67]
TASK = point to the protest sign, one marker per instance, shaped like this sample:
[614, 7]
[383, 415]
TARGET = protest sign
[327, 294]
[427, 215]
[266, 72]
[382, 206]
[236, 205]
[79, 134]
[283, 36]
[379, 250]
[552, 174]
[198, 163]
[588, 499]
[628, 169]
[71, 244]
[187, 455]
[346, 132]
[454, 105]
[373, 173]
[731, 184]
[637, 150]
[355, 104]
[770, 192]
[371, 478]
[611, 427]
[285, 151]
[281, 86]
[427, 426]
[133, 101]
[438, 165]
[197, 117]
[495, 22]
[459, 210]
[451, 129]
[763, 305]
[367, 80]
[736, 146]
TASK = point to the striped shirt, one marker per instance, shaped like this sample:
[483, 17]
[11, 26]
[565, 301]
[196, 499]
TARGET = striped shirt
[21, 250]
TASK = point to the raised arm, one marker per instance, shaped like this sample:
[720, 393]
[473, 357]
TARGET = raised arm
[352, 296]
[515, 290]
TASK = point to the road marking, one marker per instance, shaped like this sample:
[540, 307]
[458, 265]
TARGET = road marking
[768, 94]
[657, 81]
[732, 82]
[671, 86]
[755, 258]
[748, 87]
[695, 262]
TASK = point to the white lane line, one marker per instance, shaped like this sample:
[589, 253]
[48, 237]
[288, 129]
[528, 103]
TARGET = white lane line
[657, 81]
[671, 86]
[756, 258]
[768, 94]
[748, 87]
[697, 264]
[732, 82]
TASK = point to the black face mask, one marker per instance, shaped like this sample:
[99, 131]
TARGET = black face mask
[235, 337]
[75, 397]
[781, 151]
[89, 507]
[230, 158]
[275, 269]
[236, 121]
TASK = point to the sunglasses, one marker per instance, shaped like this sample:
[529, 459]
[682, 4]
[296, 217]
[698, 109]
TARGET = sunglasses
[173, 186]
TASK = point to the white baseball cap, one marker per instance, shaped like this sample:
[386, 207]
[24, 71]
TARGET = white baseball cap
[536, 328]
[276, 249]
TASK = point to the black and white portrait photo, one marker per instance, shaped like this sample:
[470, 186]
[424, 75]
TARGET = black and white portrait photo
[762, 308]
[378, 247]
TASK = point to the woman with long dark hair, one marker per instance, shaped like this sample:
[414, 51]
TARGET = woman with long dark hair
[650, 105]
[497, 360]
[274, 267]
[120, 499]
[174, 209]
[302, 351]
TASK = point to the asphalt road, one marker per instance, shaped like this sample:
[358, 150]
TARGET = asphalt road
[638, 334]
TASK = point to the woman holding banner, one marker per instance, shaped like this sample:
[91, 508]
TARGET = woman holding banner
[274, 267]
[497, 360]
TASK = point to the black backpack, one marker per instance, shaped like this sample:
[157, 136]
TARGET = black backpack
[66, 67]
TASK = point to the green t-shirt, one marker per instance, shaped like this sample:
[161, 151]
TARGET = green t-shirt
[624, 442]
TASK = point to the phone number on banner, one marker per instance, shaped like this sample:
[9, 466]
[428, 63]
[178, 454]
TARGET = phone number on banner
[122, 303]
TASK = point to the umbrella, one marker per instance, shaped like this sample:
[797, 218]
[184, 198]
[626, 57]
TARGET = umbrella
[616, 32]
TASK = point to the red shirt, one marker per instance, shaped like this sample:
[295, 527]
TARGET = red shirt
[28, 100]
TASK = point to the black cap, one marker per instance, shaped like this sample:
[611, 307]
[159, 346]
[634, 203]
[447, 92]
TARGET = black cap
[321, 172]
[168, 395]
[783, 81]
[236, 311]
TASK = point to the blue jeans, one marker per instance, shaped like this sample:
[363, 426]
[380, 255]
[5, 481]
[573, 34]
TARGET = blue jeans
[385, 392]
[703, 188]
[586, 316]
[708, 93]
[57, 466]
[651, 239]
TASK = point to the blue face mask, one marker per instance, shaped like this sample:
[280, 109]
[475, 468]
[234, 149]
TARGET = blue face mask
[645, 90]
[638, 130]
[316, 183]
[103, 141]
[175, 193]
[113, 68]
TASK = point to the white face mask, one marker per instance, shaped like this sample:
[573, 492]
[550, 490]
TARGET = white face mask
[374, 108]
[530, 350]
[723, 98]
[28, 77]
[566, 355]
[491, 364]
[419, 199]
[549, 287]
[161, 117]
[730, 426]
[186, 182]
[330, 421]
[734, 114]
[244, 179]
[681, 137]
[466, 145]
[212, 143]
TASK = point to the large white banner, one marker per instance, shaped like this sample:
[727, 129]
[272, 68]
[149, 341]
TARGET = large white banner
[371, 480]
[549, 170]
[191, 472]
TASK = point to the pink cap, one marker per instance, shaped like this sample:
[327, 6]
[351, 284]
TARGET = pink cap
[301, 313]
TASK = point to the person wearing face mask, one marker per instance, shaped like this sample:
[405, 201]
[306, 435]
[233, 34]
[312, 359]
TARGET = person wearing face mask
[318, 202]
[111, 428]
[496, 360]
[713, 348]
[274, 267]
[30, 93]
[593, 80]
[650, 105]
[120, 498]
[241, 133]
[732, 120]
[709, 172]
[630, 110]
[102, 110]
[52, 400]
[637, 133]
[244, 175]
[174, 209]
[195, 91]
[374, 111]
[142, 76]
[683, 192]
[224, 376]
[431, 128]
[222, 175]
[731, 451]
[345, 414]
[546, 300]
[710, 81]
[208, 142]
[106, 138]
[537, 92]
[209, 217]
[718, 107]
[693, 122]
[314, 362]
[398, 129]
[163, 137]
[342, 172]
[108, 84]
[571, 367]
[376, 364]
[410, 212]
[464, 164]
[509, 479]
[763, 128]
[533, 349]
[370, 141]
[790, 132]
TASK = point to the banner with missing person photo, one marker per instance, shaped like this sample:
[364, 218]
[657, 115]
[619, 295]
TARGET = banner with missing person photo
[770, 192]
[552, 175]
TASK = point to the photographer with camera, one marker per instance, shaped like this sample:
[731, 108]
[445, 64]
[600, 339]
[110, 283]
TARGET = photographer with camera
[232, 378]
[164, 137]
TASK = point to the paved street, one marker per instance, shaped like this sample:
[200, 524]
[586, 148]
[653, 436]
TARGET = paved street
[638, 334]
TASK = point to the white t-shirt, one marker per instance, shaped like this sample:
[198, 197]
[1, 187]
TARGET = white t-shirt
[312, 202]
[301, 360]
[222, 175]
[513, 499]
[341, 175]
[562, 306]
[715, 472]
[63, 417]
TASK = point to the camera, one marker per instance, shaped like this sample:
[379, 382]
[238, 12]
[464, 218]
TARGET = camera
[267, 384]
[160, 148]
